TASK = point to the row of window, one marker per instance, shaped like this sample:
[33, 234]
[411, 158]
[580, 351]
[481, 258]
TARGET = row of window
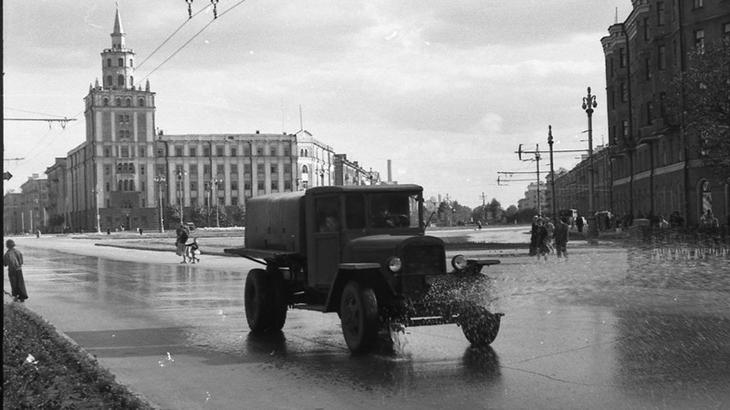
[120, 62]
[121, 83]
[127, 102]
[261, 150]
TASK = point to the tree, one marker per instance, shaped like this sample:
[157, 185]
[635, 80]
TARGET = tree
[511, 214]
[702, 100]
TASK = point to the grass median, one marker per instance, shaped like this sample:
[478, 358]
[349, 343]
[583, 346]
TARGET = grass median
[42, 369]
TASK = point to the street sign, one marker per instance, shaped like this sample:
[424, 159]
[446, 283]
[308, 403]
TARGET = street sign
[7, 175]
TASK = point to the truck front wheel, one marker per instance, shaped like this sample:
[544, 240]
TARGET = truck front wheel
[256, 299]
[479, 325]
[359, 316]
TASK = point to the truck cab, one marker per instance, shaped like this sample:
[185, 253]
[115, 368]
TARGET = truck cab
[360, 251]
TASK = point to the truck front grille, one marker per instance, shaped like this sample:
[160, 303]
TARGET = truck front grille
[421, 259]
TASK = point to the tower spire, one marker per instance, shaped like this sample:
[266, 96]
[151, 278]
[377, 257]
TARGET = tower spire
[118, 33]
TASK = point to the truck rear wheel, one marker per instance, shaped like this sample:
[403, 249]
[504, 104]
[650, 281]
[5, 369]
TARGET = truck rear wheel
[278, 300]
[256, 299]
[479, 325]
[359, 316]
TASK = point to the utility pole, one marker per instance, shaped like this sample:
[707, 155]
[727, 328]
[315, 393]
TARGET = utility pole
[160, 179]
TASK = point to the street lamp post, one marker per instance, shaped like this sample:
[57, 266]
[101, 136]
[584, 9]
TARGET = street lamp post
[95, 191]
[552, 173]
[181, 191]
[160, 179]
[589, 103]
[217, 181]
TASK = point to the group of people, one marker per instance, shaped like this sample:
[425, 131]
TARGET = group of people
[547, 237]
[190, 251]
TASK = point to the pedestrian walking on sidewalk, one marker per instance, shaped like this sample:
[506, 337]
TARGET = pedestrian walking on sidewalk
[182, 238]
[13, 259]
[561, 238]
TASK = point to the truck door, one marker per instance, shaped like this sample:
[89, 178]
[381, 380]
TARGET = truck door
[325, 253]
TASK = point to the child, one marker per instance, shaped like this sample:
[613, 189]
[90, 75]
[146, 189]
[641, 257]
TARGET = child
[194, 251]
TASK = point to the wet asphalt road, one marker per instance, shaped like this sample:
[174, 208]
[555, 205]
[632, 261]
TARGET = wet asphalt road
[608, 328]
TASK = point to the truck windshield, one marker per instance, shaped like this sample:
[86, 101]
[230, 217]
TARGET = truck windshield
[394, 210]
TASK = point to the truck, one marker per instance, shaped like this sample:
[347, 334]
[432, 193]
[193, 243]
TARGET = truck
[359, 251]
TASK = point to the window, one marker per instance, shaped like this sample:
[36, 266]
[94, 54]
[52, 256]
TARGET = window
[649, 113]
[646, 28]
[260, 185]
[622, 57]
[700, 41]
[142, 152]
[624, 92]
[260, 170]
[107, 170]
[125, 152]
[259, 150]
[131, 81]
[108, 81]
[219, 151]
[206, 170]
[234, 152]
[120, 80]
[696, 4]
[178, 151]
[106, 102]
[304, 169]
[647, 68]
[117, 101]
[287, 186]
[131, 62]
[160, 151]
[120, 62]
[234, 170]
[274, 186]
[661, 57]
[108, 62]
[206, 151]
[220, 170]
[192, 151]
[234, 200]
[140, 102]
[141, 169]
[286, 150]
[274, 168]
[128, 103]
[726, 31]
[625, 128]
[660, 13]
[107, 153]
[234, 185]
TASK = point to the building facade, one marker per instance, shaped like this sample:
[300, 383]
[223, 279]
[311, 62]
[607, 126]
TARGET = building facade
[351, 173]
[654, 168]
[572, 189]
[535, 198]
[13, 218]
[128, 174]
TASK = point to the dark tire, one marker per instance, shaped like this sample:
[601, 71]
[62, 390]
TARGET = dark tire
[479, 325]
[256, 299]
[359, 316]
[279, 302]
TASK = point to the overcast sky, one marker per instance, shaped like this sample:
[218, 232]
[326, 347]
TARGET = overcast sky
[446, 89]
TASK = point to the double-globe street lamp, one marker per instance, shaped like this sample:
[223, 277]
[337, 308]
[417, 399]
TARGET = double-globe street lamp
[160, 180]
[589, 103]
[181, 185]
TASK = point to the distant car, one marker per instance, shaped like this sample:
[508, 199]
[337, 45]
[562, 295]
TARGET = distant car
[360, 251]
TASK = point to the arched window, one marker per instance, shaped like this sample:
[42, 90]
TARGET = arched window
[126, 185]
[108, 82]
[108, 62]
[106, 102]
[128, 102]
[120, 80]
[119, 185]
[131, 168]
[119, 168]
[118, 102]
[131, 185]
[131, 81]
[131, 62]
[140, 102]
[304, 169]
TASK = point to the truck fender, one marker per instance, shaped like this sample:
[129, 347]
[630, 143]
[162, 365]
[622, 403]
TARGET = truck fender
[367, 274]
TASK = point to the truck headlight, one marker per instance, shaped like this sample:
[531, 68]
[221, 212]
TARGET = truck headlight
[458, 262]
[395, 264]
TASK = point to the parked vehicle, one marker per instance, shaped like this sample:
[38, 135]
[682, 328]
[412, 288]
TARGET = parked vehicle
[360, 251]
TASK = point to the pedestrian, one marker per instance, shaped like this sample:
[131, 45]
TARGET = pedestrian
[561, 238]
[579, 223]
[542, 249]
[194, 249]
[182, 237]
[550, 229]
[13, 259]
[533, 236]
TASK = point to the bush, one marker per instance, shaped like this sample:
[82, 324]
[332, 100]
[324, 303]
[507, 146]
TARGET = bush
[41, 369]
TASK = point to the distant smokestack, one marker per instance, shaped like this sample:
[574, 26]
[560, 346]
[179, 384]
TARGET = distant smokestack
[390, 172]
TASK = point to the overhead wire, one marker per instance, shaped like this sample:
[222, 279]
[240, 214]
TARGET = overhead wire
[172, 35]
[192, 38]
